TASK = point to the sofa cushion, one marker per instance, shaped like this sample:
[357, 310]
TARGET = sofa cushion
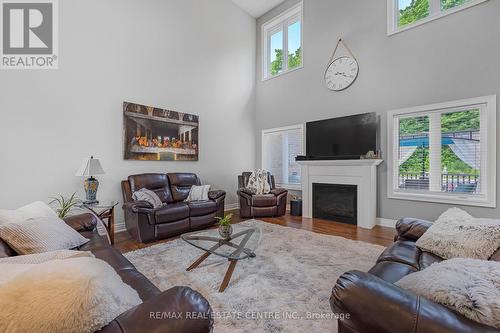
[156, 182]
[199, 208]
[405, 252]
[181, 184]
[264, 200]
[172, 212]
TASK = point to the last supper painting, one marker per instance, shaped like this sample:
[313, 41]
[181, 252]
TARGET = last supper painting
[154, 134]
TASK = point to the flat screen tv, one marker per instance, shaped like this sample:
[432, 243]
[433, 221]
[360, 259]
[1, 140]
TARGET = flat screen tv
[345, 137]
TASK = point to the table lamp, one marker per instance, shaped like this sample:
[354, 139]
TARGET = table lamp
[90, 167]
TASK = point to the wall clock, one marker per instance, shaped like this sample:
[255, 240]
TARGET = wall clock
[341, 72]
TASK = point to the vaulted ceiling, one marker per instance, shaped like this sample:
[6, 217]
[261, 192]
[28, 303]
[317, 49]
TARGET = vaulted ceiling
[257, 8]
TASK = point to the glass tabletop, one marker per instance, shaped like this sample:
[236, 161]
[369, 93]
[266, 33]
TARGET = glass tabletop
[241, 245]
[99, 205]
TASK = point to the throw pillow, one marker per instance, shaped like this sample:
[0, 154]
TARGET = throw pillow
[258, 182]
[73, 295]
[456, 234]
[40, 235]
[468, 286]
[39, 258]
[149, 196]
[198, 193]
[33, 210]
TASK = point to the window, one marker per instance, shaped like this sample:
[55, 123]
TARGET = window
[405, 14]
[280, 147]
[282, 43]
[444, 153]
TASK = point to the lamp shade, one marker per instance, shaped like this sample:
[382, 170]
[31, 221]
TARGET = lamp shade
[90, 167]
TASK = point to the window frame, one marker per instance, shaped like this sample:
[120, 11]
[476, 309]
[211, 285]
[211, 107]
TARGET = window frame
[488, 162]
[299, 127]
[283, 21]
[435, 13]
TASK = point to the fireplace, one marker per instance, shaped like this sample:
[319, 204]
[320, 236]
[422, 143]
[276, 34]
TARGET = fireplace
[335, 202]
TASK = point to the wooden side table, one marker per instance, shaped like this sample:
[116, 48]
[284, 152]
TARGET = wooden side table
[105, 211]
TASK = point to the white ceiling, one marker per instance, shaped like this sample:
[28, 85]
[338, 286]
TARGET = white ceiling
[257, 8]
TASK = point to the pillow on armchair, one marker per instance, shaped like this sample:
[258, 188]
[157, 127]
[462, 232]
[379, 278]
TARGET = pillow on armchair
[258, 182]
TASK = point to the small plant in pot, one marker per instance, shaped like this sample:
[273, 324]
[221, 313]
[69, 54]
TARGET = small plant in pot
[225, 228]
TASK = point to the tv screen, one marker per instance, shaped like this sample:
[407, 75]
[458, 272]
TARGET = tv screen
[345, 136]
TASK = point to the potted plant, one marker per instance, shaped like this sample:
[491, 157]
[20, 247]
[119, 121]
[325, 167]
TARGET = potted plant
[225, 228]
[65, 204]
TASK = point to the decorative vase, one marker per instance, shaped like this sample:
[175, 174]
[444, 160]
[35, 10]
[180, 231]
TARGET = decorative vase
[91, 185]
[225, 231]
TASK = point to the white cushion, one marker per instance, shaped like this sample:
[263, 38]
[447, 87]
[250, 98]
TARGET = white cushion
[456, 234]
[258, 182]
[73, 295]
[468, 286]
[33, 210]
[198, 193]
[149, 196]
[40, 235]
[39, 258]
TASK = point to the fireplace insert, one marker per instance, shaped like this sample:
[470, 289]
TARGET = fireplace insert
[335, 202]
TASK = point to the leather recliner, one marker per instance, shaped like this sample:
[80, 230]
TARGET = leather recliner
[376, 305]
[253, 205]
[146, 224]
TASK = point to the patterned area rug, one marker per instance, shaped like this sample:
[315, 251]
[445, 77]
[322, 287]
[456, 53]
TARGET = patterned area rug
[285, 288]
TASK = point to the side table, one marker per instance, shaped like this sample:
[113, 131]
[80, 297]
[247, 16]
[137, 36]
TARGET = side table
[105, 211]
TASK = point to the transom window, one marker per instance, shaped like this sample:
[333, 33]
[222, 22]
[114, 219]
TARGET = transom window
[282, 43]
[405, 14]
[280, 147]
[444, 153]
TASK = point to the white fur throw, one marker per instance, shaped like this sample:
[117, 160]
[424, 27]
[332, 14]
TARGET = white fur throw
[456, 234]
[468, 286]
[72, 295]
[258, 182]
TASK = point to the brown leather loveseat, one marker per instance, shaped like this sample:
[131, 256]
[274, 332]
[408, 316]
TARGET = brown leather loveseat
[146, 224]
[141, 318]
[376, 305]
[252, 205]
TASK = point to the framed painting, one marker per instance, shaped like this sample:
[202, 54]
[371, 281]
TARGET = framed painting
[154, 134]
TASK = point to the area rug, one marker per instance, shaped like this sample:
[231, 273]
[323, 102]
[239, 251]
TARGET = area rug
[285, 288]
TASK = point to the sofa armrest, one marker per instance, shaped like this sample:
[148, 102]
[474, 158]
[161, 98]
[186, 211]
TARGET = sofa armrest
[216, 195]
[370, 304]
[411, 228]
[82, 222]
[139, 207]
[177, 310]
[244, 190]
[278, 191]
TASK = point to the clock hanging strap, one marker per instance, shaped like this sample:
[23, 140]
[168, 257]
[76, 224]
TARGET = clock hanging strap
[345, 46]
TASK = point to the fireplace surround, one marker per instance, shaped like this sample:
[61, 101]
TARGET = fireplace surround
[359, 173]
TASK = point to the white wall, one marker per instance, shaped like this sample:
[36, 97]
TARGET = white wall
[194, 56]
[452, 58]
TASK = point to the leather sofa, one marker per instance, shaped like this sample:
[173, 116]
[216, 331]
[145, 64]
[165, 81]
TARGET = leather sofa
[182, 300]
[375, 305]
[252, 205]
[146, 224]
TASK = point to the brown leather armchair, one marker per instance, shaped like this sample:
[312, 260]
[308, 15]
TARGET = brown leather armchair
[252, 205]
[146, 224]
[376, 305]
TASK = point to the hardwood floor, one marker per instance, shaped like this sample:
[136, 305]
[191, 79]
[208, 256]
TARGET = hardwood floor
[378, 235]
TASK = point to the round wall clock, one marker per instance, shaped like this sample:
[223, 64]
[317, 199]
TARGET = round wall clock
[341, 73]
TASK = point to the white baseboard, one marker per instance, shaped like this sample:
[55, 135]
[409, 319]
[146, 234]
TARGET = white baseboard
[386, 222]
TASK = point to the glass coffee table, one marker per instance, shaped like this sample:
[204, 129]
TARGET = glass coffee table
[241, 245]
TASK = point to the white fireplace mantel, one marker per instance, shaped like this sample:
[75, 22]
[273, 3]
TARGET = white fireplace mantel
[362, 173]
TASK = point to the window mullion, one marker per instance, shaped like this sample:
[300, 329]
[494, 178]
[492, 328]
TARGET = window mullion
[434, 7]
[435, 152]
[285, 45]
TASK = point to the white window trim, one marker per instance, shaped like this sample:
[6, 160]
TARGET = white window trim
[488, 162]
[292, 14]
[393, 14]
[301, 127]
